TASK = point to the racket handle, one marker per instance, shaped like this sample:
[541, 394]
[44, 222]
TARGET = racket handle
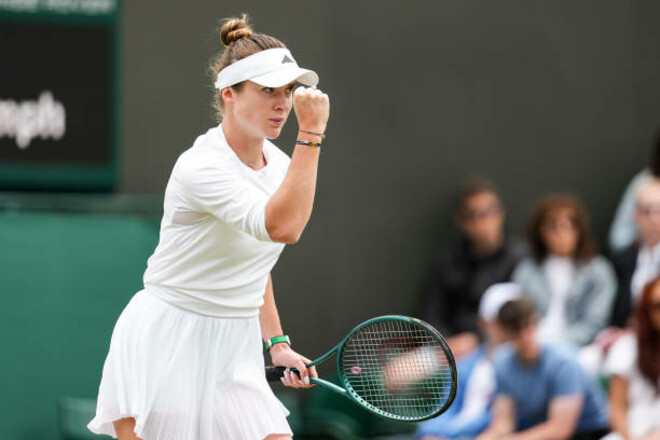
[274, 374]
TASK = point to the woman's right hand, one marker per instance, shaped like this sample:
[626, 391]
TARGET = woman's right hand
[283, 356]
[312, 108]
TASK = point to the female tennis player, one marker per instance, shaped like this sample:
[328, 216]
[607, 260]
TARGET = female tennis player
[186, 355]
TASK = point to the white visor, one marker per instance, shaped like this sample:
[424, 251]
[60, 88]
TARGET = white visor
[269, 68]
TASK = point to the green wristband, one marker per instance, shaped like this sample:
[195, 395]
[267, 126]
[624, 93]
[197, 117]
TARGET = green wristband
[276, 340]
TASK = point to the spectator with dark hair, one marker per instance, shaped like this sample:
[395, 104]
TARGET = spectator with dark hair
[470, 413]
[484, 256]
[571, 286]
[623, 231]
[542, 392]
[640, 262]
[634, 365]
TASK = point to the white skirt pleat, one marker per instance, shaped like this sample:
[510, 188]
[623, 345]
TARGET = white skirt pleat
[186, 376]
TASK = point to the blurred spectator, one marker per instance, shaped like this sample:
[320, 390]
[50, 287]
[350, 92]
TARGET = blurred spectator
[470, 412]
[635, 266]
[623, 231]
[483, 257]
[542, 393]
[634, 366]
[571, 286]
[640, 262]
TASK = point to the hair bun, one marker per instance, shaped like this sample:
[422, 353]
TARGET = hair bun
[235, 29]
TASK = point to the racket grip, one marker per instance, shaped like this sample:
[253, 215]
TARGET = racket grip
[274, 374]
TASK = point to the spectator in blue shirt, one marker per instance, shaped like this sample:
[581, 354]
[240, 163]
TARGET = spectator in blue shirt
[542, 393]
[470, 413]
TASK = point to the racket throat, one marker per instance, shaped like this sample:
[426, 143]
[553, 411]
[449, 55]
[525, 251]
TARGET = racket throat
[329, 385]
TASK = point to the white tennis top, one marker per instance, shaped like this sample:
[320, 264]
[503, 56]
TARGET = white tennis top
[214, 253]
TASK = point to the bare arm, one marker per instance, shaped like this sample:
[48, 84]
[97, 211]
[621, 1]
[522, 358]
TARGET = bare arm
[563, 416]
[290, 208]
[618, 398]
[269, 319]
[281, 354]
[503, 422]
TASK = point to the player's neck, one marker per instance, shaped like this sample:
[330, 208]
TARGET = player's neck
[247, 147]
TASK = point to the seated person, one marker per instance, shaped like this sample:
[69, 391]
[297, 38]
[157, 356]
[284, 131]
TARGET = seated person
[570, 285]
[634, 267]
[542, 393]
[623, 231]
[484, 256]
[470, 412]
[634, 365]
[640, 262]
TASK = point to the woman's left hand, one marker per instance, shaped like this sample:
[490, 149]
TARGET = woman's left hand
[283, 356]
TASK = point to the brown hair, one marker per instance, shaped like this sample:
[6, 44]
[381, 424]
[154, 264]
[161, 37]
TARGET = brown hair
[586, 246]
[472, 187]
[515, 315]
[648, 337]
[240, 42]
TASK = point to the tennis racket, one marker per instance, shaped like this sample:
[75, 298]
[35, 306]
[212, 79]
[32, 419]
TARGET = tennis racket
[397, 367]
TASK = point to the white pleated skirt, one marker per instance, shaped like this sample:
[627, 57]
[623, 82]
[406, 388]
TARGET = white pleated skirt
[182, 375]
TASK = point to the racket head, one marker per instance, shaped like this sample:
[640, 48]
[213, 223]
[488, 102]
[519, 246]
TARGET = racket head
[398, 367]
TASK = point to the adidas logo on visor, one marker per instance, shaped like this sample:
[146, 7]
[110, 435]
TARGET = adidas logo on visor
[286, 59]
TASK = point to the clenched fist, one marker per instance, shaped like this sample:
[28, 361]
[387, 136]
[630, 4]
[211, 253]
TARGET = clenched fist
[312, 108]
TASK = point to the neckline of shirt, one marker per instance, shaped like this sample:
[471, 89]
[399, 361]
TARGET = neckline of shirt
[224, 144]
[557, 260]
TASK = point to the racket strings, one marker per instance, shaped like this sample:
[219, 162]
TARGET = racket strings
[398, 368]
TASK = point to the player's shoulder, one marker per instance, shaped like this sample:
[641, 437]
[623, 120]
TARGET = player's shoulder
[210, 143]
[207, 151]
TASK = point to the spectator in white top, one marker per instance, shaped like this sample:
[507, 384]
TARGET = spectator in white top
[634, 365]
[640, 262]
[623, 231]
[634, 267]
[572, 287]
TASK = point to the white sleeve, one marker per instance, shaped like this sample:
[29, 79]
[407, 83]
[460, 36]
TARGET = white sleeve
[622, 357]
[624, 230]
[224, 193]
